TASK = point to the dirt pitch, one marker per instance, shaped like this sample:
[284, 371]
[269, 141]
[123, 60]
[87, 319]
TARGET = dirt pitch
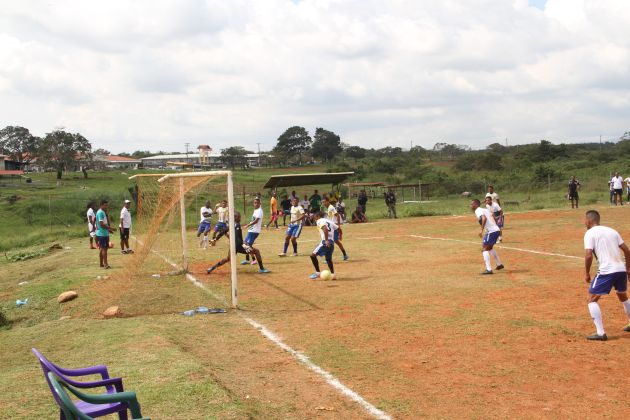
[411, 325]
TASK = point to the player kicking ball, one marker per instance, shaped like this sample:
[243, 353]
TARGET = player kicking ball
[241, 248]
[335, 218]
[607, 246]
[325, 249]
[295, 227]
[486, 220]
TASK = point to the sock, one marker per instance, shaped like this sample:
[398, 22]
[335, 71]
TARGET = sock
[315, 262]
[286, 247]
[330, 265]
[486, 259]
[295, 248]
[626, 307]
[496, 257]
[260, 264]
[596, 314]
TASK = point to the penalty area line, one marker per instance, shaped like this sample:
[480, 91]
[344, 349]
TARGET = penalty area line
[299, 356]
[531, 251]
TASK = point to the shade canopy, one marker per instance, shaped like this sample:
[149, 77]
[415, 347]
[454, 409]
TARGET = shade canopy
[296, 180]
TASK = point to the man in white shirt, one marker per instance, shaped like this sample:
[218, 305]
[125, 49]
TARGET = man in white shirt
[607, 246]
[91, 219]
[617, 185]
[333, 216]
[325, 249]
[494, 195]
[221, 227]
[486, 220]
[627, 181]
[125, 227]
[497, 213]
[205, 224]
[294, 229]
[253, 228]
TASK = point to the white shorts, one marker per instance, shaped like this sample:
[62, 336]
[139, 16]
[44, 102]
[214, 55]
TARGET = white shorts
[91, 230]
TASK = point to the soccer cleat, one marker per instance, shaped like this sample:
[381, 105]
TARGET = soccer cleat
[314, 276]
[129, 251]
[213, 242]
[334, 277]
[263, 271]
[486, 272]
[254, 262]
[346, 258]
[627, 328]
[244, 262]
[210, 270]
[123, 251]
[295, 254]
[597, 337]
[282, 254]
[499, 267]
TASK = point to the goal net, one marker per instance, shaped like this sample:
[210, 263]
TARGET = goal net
[164, 231]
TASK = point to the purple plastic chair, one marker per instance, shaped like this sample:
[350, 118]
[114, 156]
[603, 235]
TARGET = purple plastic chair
[112, 385]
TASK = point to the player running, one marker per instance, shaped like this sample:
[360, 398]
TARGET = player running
[607, 246]
[497, 213]
[205, 224]
[241, 248]
[333, 216]
[325, 249]
[253, 229]
[294, 229]
[221, 227]
[486, 220]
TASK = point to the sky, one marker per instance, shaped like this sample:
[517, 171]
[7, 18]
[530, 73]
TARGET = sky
[155, 74]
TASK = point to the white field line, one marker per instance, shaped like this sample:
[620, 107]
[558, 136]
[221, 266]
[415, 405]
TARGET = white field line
[552, 254]
[301, 357]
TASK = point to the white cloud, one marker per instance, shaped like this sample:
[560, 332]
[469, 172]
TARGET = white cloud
[156, 74]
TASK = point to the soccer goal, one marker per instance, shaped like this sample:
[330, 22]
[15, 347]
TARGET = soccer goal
[167, 208]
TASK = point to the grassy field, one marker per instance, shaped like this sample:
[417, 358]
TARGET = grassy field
[47, 210]
[409, 325]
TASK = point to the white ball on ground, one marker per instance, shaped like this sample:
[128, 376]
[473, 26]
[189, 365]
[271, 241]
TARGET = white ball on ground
[325, 275]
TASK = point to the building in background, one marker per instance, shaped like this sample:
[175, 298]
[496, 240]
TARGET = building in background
[115, 162]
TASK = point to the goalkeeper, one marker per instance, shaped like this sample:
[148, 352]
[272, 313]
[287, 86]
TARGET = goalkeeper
[241, 248]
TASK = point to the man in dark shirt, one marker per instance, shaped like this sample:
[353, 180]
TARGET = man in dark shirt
[316, 202]
[358, 216]
[390, 201]
[362, 200]
[574, 186]
[285, 205]
[241, 248]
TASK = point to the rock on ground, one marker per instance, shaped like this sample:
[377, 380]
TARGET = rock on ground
[67, 296]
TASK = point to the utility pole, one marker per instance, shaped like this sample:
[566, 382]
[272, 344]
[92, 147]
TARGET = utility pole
[186, 144]
[258, 154]
[600, 142]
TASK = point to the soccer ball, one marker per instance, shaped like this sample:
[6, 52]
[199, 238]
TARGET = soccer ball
[325, 275]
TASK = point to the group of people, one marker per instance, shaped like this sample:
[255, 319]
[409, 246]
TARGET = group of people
[100, 228]
[615, 185]
[327, 219]
[311, 205]
[491, 219]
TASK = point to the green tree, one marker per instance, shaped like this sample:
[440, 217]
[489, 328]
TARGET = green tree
[61, 150]
[294, 141]
[326, 144]
[235, 155]
[19, 144]
[355, 152]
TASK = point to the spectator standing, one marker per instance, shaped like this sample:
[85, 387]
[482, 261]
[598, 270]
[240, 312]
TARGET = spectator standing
[316, 202]
[125, 228]
[390, 201]
[91, 218]
[102, 233]
[362, 200]
[617, 186]
[574, 186]
[285, 204]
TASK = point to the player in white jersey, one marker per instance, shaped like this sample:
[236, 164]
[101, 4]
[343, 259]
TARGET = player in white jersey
[295, 227]
[486, 220]
[221, 227]
[253, 229]
[325, 249]
[333, 216]
[91, 219]
[494, 208]
[205, 224]
[607, 246]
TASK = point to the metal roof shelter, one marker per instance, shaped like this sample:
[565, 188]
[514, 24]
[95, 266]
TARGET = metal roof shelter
[296, 180]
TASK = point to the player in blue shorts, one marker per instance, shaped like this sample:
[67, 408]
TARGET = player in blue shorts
[486, 220]
[295, 227]
[253, 229]
[221, 227]
[333, 216]
[494, 208]
[326, 247]
[205, 224]
[607, 246]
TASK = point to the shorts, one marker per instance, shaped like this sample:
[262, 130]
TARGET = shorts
[603, 283]
[124, 234]
[251, 238]
[574, 196]
[243, 249]
[220, 227]
[294, 230]
[102, 241]
[619, 191]
[491, 238]
[322, 250]
[338, 235]
[286, 212]
[91, 230]
[499, 219]
[204, 227]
